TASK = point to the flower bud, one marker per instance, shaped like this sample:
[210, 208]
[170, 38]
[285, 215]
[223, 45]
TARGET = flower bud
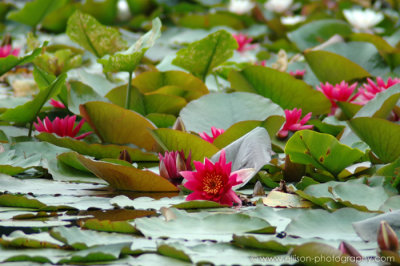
[387, 238]
[348, 249]
[124, 156]
[172, 163]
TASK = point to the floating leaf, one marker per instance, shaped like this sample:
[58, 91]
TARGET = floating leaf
[94, 37]
[326, 225]
[213, 226]
[185, 85]
[98, 151]
[117, 125]
[321, 150]
[110, 226]
[334, 68]
[19, 239]
[381, 135]
[9, 200]
[174, 140]
[80, 93]
[128, 60]
[317, 32]
[281, 88]
[222, 110]
[127, 177]
[27, 112]
[201, 57]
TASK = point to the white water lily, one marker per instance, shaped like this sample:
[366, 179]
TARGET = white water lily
[363, 20]
[240, 6]
[278, 6]
[293, 20]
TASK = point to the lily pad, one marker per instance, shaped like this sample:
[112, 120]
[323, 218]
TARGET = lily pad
[201, 57]
[117, 125]
[321, 150]
[381, 135]
[94, 37]
[221, 110]
[281, 88]
[127, 177]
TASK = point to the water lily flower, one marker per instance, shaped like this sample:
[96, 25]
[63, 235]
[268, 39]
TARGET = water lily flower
[215, 133]
[371, 89]
[292, 20]
[293, 122]
[7, 50]
[172, 163]
[348, 249]
[299, 74]
[57, 104]
[278, 6]
[339, 92]
[213, 182]
[363, 20]
[240, 7]
[63, 127]
[243, 42]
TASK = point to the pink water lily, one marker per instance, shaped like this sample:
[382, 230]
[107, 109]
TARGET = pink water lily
[7, 50]
[299, 74]
[244, 42]
[172, 163]
[213, 181]
[293, 122]
[63, 127]
[215, 133]
[371, 89]
[341, 92]
[57, 104]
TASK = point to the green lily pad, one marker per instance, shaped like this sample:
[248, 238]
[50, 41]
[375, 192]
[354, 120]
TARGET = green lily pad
[9, 200]
[353, 195]
[21, 240]
[218, 227]
[127, 177]
[174, 140]
[334, 68]
[128, 60]
[94, 37]
[326, 225]
[122, 227]
[201, 57]
[176, 83]
[281, 88]
[222, 110]
[381, 135]
[98, 151]
[318, 31]
[117, 125]
[80, 93]
[83, 239]
[321, 150]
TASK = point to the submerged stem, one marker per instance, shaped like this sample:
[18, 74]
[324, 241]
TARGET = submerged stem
[30, 129]
[128, 92]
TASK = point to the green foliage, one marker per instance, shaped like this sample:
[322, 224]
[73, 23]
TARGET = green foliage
[202, 57]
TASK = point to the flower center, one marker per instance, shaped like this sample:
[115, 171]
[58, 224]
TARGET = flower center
[212, 183]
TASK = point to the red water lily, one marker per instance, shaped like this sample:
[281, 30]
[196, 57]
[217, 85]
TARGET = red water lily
[213, 182]
[57, 104]
[338, 93]
[215, 133]
[63, 127]
[244, 42]
[293, 122]
[172, 163]
[371, 89]
[7, 50]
